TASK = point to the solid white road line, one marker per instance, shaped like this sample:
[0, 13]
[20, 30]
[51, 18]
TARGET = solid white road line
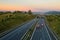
[53, 34]
[48, 33]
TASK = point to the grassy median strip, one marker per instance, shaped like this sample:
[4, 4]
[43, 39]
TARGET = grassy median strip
[54, 23]
[28, 35]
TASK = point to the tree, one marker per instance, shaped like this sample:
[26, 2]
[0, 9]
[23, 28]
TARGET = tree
[7, 12]
[29, 12]
[17, 12]
[25, 12]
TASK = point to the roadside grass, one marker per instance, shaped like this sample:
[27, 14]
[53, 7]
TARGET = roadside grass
[10, 20]
[54, 23]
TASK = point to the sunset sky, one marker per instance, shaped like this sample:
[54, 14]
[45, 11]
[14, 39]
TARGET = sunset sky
[34, 5]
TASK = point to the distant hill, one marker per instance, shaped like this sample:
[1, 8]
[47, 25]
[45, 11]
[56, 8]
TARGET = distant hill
[37, 12]
[53, 12]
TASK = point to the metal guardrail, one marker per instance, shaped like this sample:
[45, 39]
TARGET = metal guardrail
[26, 32]
[33, 34]
[29, 29]
[34, 30]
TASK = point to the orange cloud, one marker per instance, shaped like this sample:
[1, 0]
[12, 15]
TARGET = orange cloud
[50, 6]
[11, 7]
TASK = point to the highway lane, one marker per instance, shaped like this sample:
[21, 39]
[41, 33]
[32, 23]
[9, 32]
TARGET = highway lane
[53, 36]
[42, 32]
[19, 32]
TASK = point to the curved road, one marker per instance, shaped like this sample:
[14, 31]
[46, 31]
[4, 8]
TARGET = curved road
[19, 32]
[42, 32]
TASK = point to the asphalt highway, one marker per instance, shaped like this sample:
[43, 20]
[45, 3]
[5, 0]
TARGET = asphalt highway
[42, 32]
[19, 32]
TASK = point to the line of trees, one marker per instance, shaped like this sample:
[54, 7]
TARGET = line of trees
[29, 12]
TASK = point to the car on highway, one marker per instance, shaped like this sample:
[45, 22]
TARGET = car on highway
[39, 25]
[42, 24]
